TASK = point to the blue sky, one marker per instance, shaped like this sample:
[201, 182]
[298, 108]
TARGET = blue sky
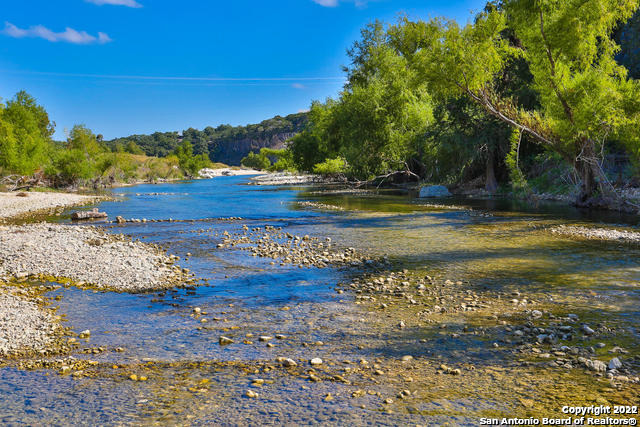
[138, 66]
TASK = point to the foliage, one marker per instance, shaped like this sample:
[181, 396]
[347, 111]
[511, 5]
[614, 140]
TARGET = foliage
[282, 160]
[585, 96]
[209, 140]
[331, 167]
[189, 162]
[25, 135]
[377, 120]
[518, 179]
[314, 144]
[256, 161]
[628, 37]
[80, 159]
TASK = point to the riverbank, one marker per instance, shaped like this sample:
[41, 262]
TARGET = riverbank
[15, 204]
[287, 178]
[213, 173]
[83, 256]
[24, 324]
[86, 257]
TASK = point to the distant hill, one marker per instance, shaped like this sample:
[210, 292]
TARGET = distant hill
[225, 143]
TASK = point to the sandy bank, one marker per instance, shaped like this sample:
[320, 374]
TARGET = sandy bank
[285, 178]
[212, 173]
[12, 205]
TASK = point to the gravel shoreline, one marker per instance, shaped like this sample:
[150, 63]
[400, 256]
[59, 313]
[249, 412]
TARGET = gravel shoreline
[12, 205]
[84, 256]
[607, 234]
[87, 256]
[285, 178]
[24, 325]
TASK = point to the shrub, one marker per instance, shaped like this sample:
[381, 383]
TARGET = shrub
[331, 167]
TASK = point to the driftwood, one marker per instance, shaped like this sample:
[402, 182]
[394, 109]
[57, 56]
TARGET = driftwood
[93, 214]
[20, 182]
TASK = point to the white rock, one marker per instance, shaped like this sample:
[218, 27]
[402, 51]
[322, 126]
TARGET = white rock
[434, 191]
[615, 363]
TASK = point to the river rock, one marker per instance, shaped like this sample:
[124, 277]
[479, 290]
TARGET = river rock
[225, 340]
[286, 362]
[316, 361]
[434, 191]
[587, 330]
[615, 363]
[92, 214]
[596, 365]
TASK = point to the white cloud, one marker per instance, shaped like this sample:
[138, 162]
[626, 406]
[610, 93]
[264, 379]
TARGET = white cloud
[334, 3]
[128, 3]
[69, 35]
[327, 3]
[298, 86]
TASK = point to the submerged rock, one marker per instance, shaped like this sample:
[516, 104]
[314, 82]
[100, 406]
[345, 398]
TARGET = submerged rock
[434, 191]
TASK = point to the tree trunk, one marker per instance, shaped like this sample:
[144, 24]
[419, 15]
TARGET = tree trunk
[490, 182]
[588, 186]
[593, 189]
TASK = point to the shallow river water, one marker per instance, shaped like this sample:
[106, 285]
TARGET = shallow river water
[496, 247]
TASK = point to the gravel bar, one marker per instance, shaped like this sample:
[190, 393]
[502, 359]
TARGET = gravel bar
[12, 205]
[86, 255]
[23, 325]
[609, 234]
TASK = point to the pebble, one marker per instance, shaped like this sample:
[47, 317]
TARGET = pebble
[316, 361]
[225, 340]
[587, 330]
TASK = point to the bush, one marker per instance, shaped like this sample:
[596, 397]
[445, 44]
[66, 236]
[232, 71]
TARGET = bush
[256, 161]
[331, 167]
[189, 162]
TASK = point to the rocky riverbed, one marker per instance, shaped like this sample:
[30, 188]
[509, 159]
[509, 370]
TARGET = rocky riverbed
[24, 325]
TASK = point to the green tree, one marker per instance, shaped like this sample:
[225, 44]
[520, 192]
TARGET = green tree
[585, 96]
[25, 135]
[315, 143]
[79, 159]
[379, 118]
[256, 161]
[189, 162]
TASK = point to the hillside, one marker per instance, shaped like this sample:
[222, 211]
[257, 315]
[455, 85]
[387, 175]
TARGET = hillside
[225, 143]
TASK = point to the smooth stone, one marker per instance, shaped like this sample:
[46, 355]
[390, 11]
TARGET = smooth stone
[434, 191]
[615, 363]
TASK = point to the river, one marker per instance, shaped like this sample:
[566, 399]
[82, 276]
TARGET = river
[492, 251]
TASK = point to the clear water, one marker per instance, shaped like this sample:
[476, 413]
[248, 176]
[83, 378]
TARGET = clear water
[496, 244]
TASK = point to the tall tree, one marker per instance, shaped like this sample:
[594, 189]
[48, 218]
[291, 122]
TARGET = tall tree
[25, 138]
[585, 96]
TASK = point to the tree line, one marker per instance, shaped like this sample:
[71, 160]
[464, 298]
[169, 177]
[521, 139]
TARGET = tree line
[29, 152]
[529, 94]
[209, 140]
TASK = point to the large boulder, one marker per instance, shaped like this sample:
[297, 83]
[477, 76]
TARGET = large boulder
[434, 191]
[92, 214]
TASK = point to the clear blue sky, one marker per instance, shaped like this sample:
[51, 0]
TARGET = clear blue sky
[139, 66]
